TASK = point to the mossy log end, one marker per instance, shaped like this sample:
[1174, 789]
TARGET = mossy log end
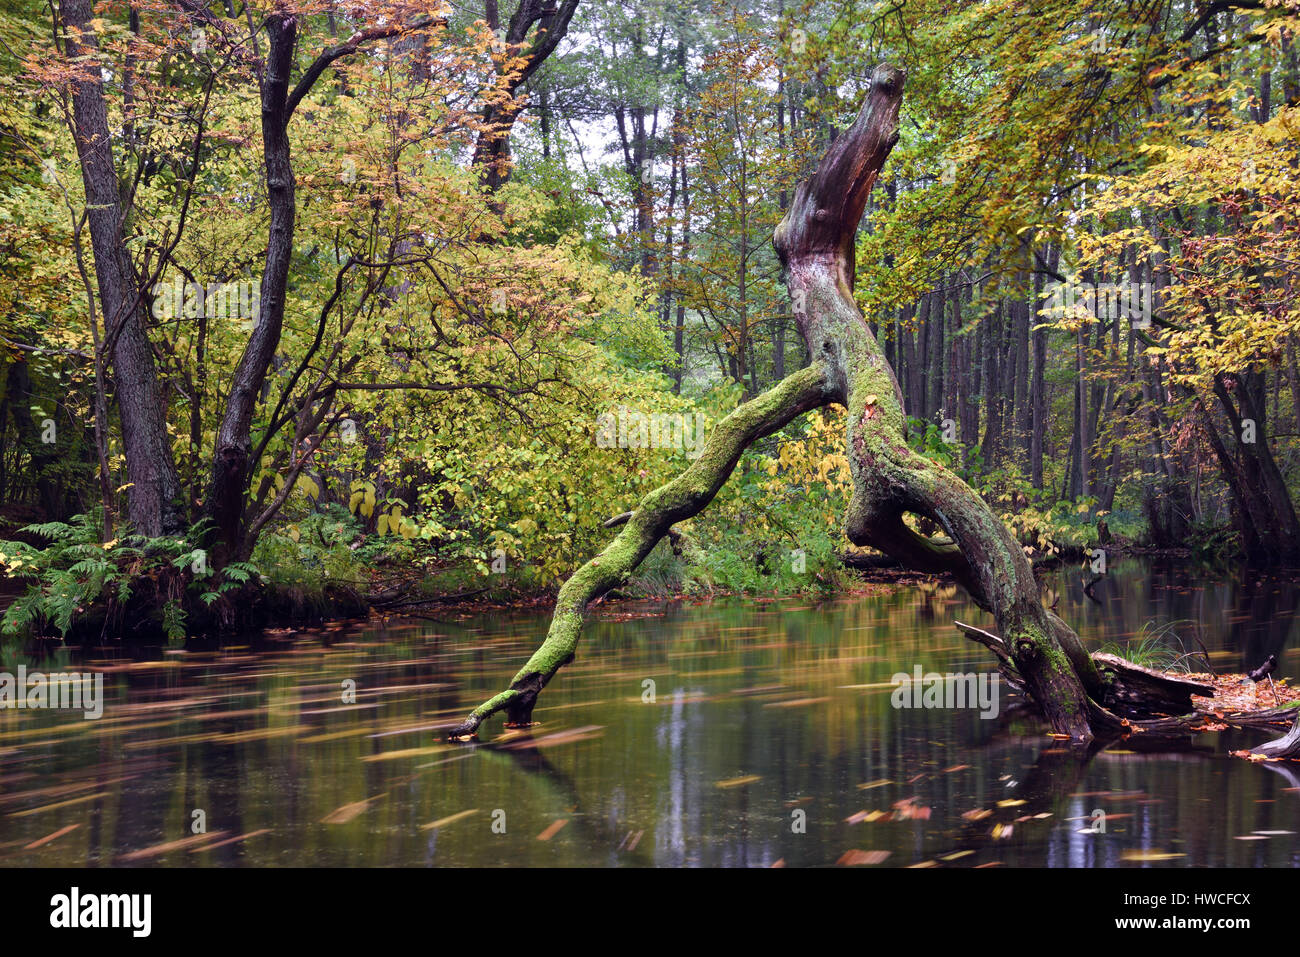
[683, 497]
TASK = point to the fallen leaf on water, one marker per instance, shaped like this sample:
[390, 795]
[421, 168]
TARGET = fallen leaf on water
[405, 753]
[854, 858]
[977, 815]
[956, 855]
[795, 702]
[1144, 855]
[41, 842]
[552, 830]
[444, 821]
[740, 782]
[349, 811]
[51, 807]
[159, 849]
[1012, 802]
[559, 737]
[874, 784]
[231, 840]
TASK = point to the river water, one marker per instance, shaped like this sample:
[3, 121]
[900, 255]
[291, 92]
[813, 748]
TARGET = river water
[737, 732]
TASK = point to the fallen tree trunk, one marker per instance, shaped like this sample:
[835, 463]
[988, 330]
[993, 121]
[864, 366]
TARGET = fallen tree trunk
[1142, 692]
[815, 242]
[1287, 746]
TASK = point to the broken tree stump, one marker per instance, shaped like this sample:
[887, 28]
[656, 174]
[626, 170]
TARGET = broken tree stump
[1138, 692]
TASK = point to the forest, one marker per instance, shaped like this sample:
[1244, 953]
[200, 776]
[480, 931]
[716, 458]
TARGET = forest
[376, 348]
[316, 312]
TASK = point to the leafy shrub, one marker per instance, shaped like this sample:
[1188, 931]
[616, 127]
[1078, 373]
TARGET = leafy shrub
[78, 572]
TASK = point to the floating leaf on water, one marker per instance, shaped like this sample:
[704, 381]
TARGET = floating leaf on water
[1137, 854]
[444, 821]
[795, 703]
[349, 811]
[874, 784]
[855, 858]
[559, 737]
[160, 849]
[41, 842]
[552, 829]
[232, 840]
[406, 753]
[51, 807]
[740, 782]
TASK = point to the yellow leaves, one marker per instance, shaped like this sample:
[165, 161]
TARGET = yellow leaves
[362, 500]
[395, 523]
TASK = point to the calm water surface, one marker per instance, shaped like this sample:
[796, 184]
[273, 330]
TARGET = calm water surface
[770, 738]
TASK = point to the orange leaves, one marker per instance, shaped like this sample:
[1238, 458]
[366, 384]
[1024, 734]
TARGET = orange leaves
[856, 858]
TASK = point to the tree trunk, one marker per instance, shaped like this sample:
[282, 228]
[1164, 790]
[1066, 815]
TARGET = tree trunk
[231, 469]
[492, 149]
[153, 495]
[685, 496]
[815, 242]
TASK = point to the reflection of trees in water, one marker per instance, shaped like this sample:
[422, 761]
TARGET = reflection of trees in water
[1250, 613]
[1263, 613]
[597, 830]
[1202, 819]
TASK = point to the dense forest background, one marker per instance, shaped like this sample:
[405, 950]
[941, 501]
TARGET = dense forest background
[401, 299]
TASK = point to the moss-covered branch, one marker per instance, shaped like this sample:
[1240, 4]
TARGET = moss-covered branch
[683, 497]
